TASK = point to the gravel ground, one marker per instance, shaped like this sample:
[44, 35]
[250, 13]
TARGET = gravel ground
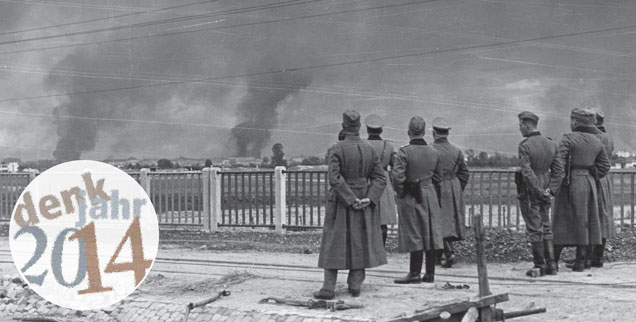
[502, 246]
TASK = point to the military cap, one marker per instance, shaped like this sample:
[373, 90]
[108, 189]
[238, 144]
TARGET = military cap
[440, 124]
[527, 115]
[417, 125]
[351, 121]
[600, 117]
[374, 121]
[585, 115]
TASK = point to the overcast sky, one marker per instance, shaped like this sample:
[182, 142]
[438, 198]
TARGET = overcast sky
[170, 78]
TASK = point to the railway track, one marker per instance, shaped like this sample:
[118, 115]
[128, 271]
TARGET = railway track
[194, 267]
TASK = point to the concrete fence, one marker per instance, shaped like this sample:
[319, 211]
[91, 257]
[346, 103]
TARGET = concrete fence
[283, 199]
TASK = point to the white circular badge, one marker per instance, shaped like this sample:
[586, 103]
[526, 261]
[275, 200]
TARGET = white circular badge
[84, 235]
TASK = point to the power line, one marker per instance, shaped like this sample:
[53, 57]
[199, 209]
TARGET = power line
[140, 12]
[336, 64]
[282, 4]
[102, 42]
[327, 90]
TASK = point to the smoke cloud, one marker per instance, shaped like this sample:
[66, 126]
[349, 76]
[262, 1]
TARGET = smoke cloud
[258, 110]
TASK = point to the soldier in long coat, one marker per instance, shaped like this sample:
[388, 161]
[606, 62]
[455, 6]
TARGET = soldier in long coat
[606, 207]
[351, 237]
[540, 169]
[385, 151]
[416, 171]
[576, 219]
[455, 177]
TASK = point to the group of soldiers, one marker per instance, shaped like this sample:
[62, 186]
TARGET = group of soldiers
[369, 178]
[575, 174]
[428, 181]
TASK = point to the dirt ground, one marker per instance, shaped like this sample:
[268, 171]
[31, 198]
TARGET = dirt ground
[605, 294]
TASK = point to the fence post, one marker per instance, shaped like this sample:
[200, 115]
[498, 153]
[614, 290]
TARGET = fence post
[32, 176]
[205, 184]
[215, 198]
[280, 198]
[144, 180]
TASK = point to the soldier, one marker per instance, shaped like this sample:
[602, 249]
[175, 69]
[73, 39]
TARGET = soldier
[576, 220]
[540, 169]
[385, 151]
[455, 177]
[351, 237]
[606, 207]
[417, 168]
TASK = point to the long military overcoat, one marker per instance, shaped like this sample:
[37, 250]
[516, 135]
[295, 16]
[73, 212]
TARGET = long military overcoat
[576, 217]
[605, 204]
[455, 177]
[419, 223]
[386, 205]
[352, 239]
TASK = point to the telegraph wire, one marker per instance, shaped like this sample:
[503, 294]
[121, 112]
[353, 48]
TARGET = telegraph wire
[282, 4]
[101, 42]
[336, 64]
[139, 12]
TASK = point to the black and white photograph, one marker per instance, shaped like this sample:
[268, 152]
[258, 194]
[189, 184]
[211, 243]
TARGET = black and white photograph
[317, 160]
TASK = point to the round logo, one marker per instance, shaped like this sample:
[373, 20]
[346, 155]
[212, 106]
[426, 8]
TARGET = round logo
[84, 235]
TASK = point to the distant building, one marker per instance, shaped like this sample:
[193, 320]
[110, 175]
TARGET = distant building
[122, 163]
[625, 154]
[9, 167]
[245, 161]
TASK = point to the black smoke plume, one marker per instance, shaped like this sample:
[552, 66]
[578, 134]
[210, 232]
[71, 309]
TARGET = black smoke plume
[258, 110]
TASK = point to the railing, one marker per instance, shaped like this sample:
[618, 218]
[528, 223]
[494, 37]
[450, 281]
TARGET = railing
[177, 197]
[212, 198]
[247, 198]
[11, 186]
[306, 198]
[493, 194]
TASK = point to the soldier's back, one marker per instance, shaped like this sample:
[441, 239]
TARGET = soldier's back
[448, 154]
[421, 161]
[356, 157]
[383, 149]
[584, 147]
[541, 151]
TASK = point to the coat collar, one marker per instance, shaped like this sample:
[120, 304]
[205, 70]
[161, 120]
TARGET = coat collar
[602, 128]
[417, 142]
[351, 137]
[441, 140]
[586, 129]
[535, 133]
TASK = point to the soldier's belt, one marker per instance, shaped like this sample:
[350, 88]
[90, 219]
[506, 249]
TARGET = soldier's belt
[581, 167]
[449, 176]
[580, 172]
[422, 184]
[357, 183]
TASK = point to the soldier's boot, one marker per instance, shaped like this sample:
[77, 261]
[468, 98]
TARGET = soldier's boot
[588, 256]
[557, 255]
[449, 254]
[354, 281]
[438, 257]
[429, 276]
[385, 233]
[328, 286]
[551, 267]
[581, 256]
[597, 254]
[415, 269]
[538, 259]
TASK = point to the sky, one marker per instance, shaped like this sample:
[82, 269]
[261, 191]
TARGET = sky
[152, 79]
